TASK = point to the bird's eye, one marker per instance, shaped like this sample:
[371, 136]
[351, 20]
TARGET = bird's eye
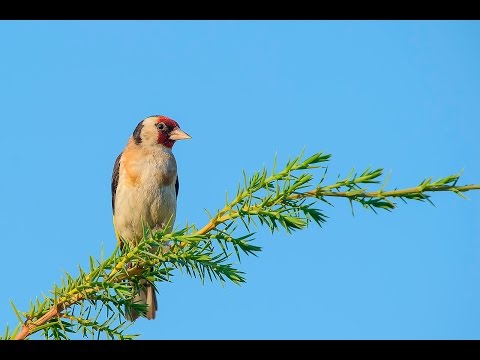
[160, 126]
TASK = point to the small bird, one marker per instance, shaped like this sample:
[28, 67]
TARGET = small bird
[145, 189]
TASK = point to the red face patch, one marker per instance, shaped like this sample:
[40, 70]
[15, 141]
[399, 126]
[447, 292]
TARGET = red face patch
[164, 133]
[171, 124]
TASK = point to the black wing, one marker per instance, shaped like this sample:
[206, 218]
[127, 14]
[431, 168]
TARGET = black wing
[115, 173]
[177, 186]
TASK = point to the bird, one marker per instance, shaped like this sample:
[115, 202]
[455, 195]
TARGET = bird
[145, 189]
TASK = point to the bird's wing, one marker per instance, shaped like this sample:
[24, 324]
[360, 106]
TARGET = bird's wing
[115, 173]
[177, 186]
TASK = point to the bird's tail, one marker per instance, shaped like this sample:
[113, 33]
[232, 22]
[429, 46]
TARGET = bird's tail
[145, 296]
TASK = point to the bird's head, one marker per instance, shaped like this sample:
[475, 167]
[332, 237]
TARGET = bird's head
[158, 130]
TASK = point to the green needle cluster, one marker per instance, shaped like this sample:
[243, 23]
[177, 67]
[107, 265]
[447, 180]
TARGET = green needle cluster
[94, 302]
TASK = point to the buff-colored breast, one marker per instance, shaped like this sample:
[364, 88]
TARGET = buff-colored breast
[146, 191]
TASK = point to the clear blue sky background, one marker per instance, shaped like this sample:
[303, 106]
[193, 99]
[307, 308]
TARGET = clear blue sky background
[402, 95]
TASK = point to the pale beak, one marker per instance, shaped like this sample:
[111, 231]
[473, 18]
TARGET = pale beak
[177, 134]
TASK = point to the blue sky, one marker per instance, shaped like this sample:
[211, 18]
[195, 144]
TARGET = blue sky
[402, 95]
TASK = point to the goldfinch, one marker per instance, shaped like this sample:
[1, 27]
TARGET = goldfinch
[145, 189]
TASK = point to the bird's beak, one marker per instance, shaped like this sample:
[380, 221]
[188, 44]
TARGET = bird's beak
[177, 134]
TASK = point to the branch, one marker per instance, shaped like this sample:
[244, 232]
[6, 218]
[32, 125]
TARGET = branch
[278, 200]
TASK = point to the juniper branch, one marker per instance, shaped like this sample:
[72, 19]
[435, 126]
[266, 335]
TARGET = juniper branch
[278, 200]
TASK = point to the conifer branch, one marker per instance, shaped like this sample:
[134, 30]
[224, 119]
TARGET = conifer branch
[94, 302]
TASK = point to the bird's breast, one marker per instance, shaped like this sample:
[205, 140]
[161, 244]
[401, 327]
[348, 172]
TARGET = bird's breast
[145, 195]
